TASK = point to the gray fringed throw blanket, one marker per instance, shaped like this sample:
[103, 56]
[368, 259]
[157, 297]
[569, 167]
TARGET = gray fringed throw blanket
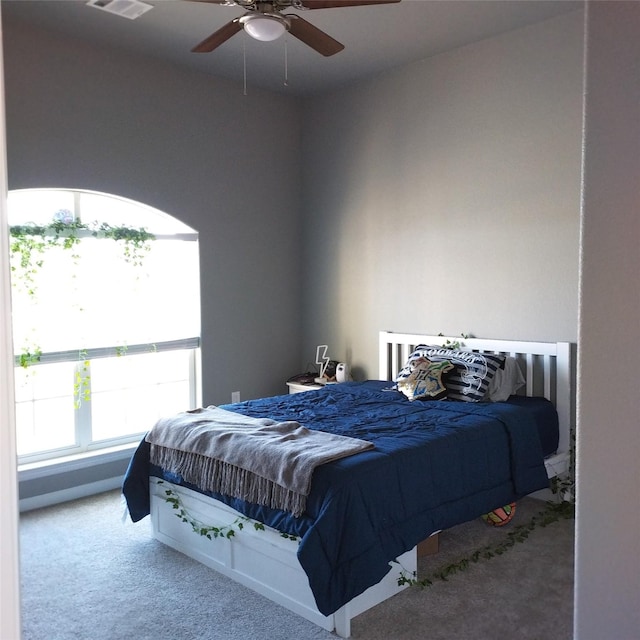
[254, 459]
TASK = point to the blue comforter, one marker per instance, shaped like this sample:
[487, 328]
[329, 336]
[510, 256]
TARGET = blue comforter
[435, 465]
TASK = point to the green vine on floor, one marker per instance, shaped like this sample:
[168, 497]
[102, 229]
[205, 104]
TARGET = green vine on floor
[553, 512]
[563, 488]
[212, 531]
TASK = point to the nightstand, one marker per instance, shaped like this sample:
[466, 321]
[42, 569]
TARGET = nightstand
[297, 387]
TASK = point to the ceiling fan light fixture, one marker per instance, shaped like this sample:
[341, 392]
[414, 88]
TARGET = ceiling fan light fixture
[265, 27]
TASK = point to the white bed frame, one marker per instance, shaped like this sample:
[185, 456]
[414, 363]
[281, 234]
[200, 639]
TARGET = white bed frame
[547, 368]
[267, 563]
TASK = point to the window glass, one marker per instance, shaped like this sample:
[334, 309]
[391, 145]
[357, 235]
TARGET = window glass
[110, 338]
[118, 211]
[125, 399]
[86, 298]
[37, 206]
[45, 416]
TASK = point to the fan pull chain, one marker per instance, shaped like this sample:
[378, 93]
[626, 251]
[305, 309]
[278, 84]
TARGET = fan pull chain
[286, 63]
[244, 66]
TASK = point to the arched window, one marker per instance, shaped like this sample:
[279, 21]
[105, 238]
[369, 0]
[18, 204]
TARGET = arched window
[106, 319]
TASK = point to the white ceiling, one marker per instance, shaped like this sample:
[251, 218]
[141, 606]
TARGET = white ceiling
[376, 38]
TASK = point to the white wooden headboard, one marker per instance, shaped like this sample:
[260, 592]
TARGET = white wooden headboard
[546, 366]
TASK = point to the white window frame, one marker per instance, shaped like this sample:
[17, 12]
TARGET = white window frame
[84, 442]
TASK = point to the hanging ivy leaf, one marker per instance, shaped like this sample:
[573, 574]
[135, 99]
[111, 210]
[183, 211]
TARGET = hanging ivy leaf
[29, 245]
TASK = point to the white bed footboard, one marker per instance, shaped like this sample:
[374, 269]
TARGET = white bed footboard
[262, 560]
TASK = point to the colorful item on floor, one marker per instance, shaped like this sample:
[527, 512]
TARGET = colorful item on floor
[501, 516]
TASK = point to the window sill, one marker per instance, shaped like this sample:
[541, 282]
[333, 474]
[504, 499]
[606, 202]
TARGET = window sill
[45, 468]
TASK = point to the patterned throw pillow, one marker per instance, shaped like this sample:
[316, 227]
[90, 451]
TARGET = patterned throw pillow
[425, 380]
[472, 372]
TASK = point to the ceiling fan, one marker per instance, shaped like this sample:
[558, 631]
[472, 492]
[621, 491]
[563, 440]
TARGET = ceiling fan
[263, 21]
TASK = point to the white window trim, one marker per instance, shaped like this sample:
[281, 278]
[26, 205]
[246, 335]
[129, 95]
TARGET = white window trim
[84, 450]
[73, 355]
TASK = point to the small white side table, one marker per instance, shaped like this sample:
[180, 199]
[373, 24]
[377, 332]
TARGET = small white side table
[296, 387]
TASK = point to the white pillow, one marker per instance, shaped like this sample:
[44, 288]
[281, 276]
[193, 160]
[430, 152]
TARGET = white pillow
[505, 382]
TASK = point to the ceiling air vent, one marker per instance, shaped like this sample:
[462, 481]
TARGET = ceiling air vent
[131, 9]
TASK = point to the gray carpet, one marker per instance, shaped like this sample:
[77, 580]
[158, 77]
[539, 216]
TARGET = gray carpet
[86, 575]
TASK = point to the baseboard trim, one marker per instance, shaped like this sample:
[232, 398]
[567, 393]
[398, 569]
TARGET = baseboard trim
[72, 493]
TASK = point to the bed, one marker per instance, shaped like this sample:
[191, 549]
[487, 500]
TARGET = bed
[433, 464]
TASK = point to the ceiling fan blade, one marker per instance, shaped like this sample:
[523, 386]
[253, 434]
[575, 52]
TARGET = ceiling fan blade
[219, 37]
[312, 4]
[313, 37]
[332, 4]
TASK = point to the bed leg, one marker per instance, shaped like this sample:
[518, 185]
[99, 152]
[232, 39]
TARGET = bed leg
[342, 621]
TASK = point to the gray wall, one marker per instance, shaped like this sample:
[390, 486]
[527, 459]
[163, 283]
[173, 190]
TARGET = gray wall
[359, 289]
[446, 197]
[607, 541]
[80, 116]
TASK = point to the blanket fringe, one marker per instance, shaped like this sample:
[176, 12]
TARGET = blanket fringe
[221, 477]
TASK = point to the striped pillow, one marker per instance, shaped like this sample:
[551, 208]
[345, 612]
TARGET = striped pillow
[471, 376]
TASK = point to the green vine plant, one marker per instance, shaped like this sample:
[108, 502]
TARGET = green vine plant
[135, 241]
[454, 344]
[28, 358]
[29, 355]
[563, 486]
[27, 265]
[213, 531]
[562, 508]
[553, 512]
[82, 382]
[29, 244]
[121, 351]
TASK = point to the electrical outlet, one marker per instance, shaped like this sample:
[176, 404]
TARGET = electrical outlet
[235, 396]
